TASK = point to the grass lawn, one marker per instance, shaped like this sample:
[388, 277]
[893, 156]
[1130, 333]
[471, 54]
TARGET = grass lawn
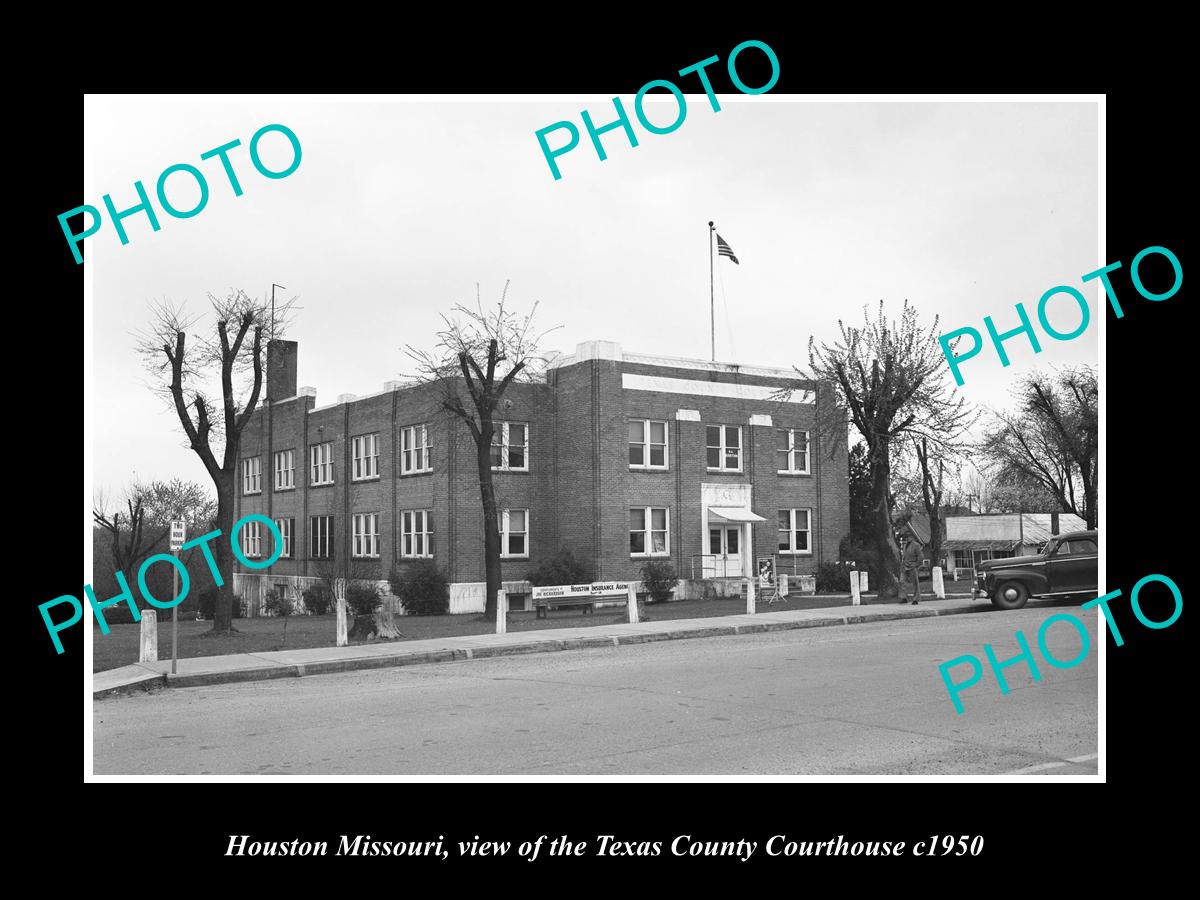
[120, 646]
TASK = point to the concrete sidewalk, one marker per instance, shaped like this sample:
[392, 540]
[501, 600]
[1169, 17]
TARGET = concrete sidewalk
[319, 660]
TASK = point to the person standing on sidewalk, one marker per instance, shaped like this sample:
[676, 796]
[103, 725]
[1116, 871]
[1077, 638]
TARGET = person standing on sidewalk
[911, 560]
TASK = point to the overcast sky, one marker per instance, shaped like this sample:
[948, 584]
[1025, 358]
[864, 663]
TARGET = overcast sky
[399, 208]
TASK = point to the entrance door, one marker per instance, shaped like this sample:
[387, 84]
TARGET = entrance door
[724, 544]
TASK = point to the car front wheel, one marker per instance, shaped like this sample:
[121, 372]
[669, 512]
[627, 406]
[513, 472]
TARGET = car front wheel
[1010, 595]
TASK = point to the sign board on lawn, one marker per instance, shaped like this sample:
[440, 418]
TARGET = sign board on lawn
[178, 534]
[766, 571]
[595, 589]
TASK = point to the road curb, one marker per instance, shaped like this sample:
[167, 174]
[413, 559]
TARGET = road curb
[541, 645]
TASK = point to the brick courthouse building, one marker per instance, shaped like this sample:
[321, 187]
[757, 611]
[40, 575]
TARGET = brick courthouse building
[616, 456]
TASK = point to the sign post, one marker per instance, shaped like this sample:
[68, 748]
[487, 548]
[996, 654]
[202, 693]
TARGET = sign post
[178, 536]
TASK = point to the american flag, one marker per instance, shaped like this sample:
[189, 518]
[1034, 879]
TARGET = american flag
[723, 249]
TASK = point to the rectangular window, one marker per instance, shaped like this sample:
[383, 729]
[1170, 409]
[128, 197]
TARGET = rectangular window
[414, 450]
[791, 450]
[724, 448]
[285, 529]
[647, 444]
[510, 447]
[285, 470]
[366, 535]
[365, 453]
[794, 528]
[514, 533]
[416, 533]
[252, 539]
[252, 475]
[320, 537]
[321, 459]
[649, 531]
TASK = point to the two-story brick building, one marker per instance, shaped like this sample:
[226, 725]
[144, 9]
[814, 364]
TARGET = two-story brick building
[619, 457]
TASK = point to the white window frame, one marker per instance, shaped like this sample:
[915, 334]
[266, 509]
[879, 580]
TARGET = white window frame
[413, 450]
[252, 475]
[505, 519]
[646, 444]
[502, 432]
[648, 531]
[793, 531]
[365, 536]
[416, 534]
[327, 538]
[792, 450]
[320, 459]
[252, 539]
[285, 529]
[285, 470]
[724, 448]
[364, 453]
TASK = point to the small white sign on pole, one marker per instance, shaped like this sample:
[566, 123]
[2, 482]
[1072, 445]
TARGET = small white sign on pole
[178, 534]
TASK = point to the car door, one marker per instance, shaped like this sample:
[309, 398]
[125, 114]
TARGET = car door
[1074, 566]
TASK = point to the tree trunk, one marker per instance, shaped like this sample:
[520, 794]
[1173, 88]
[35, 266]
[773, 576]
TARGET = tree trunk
[883, 541]
[385, 624]
[223, 609]
[491, 523]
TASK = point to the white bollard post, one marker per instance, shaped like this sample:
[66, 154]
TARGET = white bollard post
[501, 612]
[750, 596]
[855, 595]
[343, 639]
[939, 585]
[632, 604]
[862, 582]
[783, 585]
[148, 645]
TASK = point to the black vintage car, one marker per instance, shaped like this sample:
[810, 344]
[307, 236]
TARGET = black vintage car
[1067, 565]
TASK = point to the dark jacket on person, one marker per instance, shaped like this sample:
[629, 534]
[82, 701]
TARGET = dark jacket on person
[912, 556]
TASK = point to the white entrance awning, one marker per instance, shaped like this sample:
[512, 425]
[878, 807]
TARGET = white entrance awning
[734, 514]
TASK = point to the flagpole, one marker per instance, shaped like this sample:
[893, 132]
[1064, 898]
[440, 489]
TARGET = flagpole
[712, 315]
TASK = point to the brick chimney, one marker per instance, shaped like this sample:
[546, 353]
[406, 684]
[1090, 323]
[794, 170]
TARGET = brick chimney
[281, 369]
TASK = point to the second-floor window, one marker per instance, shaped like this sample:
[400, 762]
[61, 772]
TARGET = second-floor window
[510, 446]
[791, 451]
[366, 535]
[416, 533]
[365, 449]
[414, 450]
[320, 537]
[285, 470]
[724, 448]
[252, 475]
[514, 533]
[647, 444]
[321, 460]
[285, 529]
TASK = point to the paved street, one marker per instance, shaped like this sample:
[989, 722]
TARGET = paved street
[864, 699]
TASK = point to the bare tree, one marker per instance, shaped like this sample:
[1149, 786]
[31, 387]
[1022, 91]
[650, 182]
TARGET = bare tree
[480, 353]
[1048, 446]
[226, 363]
[343, 576]
[889, 376]
[933, 464]
[140, 522]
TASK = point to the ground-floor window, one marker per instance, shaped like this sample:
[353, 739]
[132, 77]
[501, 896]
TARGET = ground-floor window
[416, 533]
[285, 530]
[366, 535]
[649, 531]
[795, 527]
[320, 537]
[514, 533]
[252, 539]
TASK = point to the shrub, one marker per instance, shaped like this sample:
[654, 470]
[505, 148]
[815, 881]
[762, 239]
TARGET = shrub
[208, 603]
[363, 598]
[277, 603]
[562, 568]
[318, 599]
[833, 577]
[423, 588]
[659, 578]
